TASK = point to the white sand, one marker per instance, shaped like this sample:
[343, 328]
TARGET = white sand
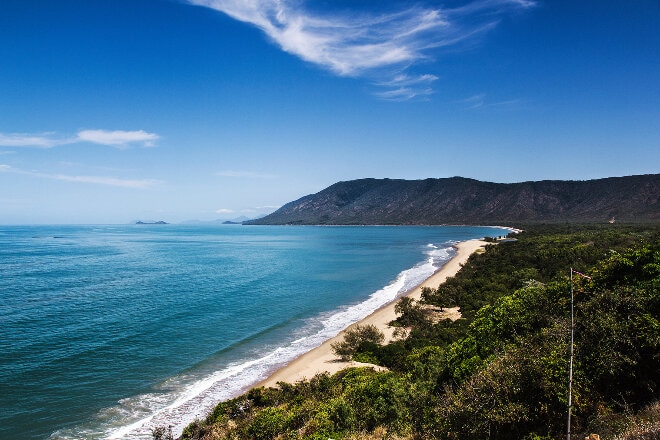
[322, 359]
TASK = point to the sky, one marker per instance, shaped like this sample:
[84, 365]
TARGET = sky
[113, 111]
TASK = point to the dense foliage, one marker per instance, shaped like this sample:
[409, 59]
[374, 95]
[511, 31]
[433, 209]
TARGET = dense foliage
[457, 200]
[355, 338]
[501, 371]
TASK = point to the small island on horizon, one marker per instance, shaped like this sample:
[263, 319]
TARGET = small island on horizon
[159, 222]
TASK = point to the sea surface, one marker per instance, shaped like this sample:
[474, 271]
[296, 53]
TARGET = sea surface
[109, 331]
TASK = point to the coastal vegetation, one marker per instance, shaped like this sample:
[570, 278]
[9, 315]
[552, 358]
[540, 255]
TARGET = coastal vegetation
[501, 371]
[357, 338]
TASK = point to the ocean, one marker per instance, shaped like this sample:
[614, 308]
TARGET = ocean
[109, 331]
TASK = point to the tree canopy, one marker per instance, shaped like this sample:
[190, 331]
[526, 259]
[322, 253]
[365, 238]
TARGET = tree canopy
[500, 372]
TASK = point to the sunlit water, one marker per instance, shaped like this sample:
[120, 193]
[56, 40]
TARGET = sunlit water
[108, 331]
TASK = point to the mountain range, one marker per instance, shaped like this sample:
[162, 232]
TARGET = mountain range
[459, 200]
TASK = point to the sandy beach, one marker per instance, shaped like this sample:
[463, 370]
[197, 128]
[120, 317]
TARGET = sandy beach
[322, 359]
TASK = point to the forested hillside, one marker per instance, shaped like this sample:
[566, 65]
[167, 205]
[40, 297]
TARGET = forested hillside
[458, 200]
[501, 371]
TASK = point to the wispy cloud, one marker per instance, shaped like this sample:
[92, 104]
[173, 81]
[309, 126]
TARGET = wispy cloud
[373, 45]
[99, 180]
[490, 6]
[404, 87]
[42, 140]
[481, 101]
[113, 138]
[245, 174]
[474, 101]
[118, 138]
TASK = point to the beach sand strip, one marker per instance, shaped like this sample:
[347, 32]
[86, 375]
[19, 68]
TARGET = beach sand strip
[322, 359]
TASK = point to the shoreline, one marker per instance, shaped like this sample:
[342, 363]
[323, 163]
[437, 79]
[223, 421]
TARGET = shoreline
[322, 359]
[306, 365]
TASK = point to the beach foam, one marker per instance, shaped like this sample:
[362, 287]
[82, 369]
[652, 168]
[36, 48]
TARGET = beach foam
[185, 398]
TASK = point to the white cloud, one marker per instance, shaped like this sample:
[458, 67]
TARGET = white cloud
[493, 5]
[41, 140]
[373, 45]
[224, 211]
[116, 138]
[347, 45]
[404, 93]
[100, 180]
[404, 87]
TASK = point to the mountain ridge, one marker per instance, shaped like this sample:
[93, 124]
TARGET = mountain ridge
[460, 200]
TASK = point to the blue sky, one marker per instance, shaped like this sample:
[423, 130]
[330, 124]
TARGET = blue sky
[118, 110]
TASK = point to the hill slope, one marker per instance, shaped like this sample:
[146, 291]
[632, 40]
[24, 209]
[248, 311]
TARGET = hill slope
[460, 200]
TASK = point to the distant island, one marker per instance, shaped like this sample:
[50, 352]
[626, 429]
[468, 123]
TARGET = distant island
[458, 200]
[159, 222]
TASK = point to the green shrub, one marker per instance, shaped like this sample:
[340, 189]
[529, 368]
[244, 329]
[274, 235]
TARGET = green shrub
[410, 313]
[354, 338]
[268, 424]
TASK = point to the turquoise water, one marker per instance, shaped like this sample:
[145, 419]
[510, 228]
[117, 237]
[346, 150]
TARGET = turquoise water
[107, 331]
